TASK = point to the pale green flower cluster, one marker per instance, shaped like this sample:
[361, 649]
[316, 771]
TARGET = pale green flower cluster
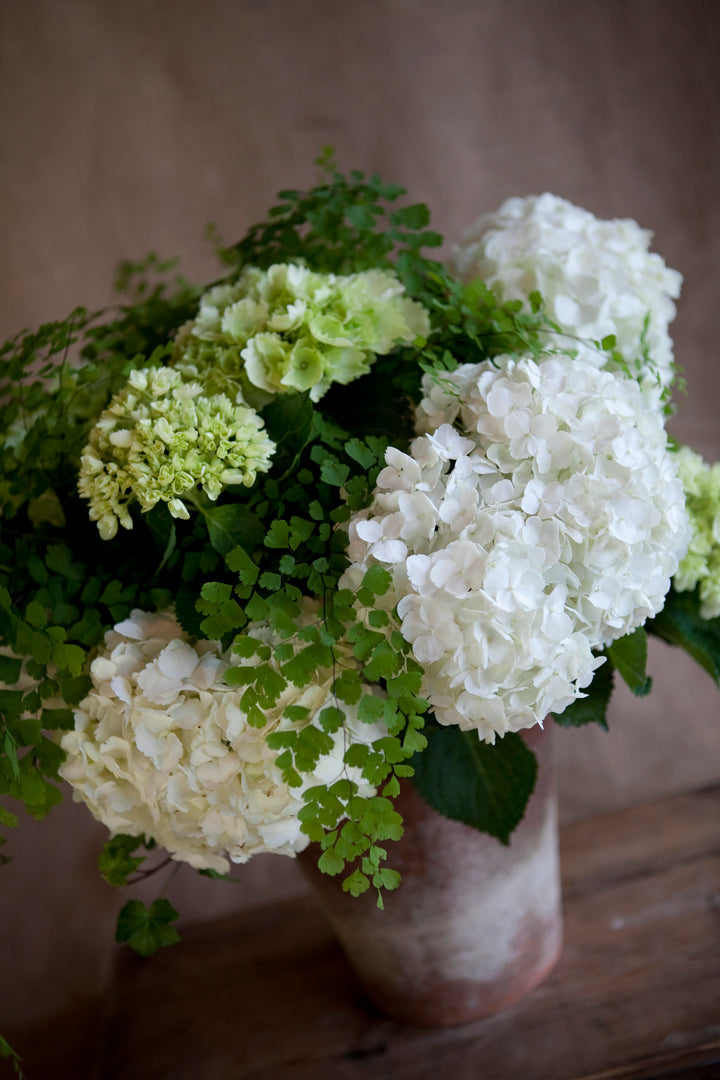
[289, 329]
[161, 437]
[701, 565]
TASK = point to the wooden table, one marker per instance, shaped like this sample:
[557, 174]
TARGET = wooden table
[269, 996]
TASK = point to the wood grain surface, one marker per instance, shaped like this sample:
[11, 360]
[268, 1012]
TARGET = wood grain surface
[269, 996]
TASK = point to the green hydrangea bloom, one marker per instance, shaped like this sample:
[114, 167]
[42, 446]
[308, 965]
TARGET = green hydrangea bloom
[701, 565]
[289, 329]
[161, 437]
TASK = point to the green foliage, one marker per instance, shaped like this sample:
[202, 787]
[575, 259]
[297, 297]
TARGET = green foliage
[117, 859]
[7, 1052]
[628, 656]
[680, 623]
[467, 780]
[591, 709]
[147, 929]
[259, 553]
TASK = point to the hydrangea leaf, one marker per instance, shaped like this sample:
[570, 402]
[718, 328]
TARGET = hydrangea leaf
[628, 656]
[231, 525]
[147, 929]
[289, 421]
[470, 781]
[680, 623]
[591, 709]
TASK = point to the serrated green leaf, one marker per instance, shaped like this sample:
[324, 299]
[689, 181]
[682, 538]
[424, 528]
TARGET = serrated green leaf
[240, 561]
[331, 863]
[278, 535]
[116, 860]
[356, 883]
[377, 580]
[416, 216]
[467, 780]
[147, 929]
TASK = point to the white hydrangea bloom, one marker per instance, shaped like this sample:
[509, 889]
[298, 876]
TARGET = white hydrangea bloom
[596, 277]
[290, 329]
[162, 747]
[549, 529]
[162, 436]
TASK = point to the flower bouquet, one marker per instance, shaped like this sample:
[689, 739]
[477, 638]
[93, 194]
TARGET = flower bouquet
[344, 517]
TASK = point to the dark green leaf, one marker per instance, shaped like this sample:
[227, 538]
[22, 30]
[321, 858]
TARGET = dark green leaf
[628, 656]
[116, 861]
[147, 929]
[680, 623]
[591, 709]
[231, 525]
[467, 780]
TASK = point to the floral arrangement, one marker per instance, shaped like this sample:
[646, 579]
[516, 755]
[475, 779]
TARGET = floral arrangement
[345, 517]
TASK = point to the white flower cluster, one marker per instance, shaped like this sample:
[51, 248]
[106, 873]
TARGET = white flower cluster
[596, 277]
[162, 747]
[162, 436]
[290, 329]
[552, 527]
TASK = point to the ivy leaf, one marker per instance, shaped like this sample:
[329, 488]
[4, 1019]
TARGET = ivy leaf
[116, 860]
[591, 709]
[232, 525]
[147, 929]
[467, 780]
[680, 623]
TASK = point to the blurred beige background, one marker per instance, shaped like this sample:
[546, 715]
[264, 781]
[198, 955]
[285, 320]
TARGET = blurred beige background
[127, 125]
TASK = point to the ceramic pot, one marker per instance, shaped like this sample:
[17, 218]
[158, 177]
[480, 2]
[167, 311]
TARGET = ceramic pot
[475, 924]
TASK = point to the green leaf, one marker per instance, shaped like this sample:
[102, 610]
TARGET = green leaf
[147, 929]
[7, 1052]
[416, 216]
[331, 863]
[243, 565]
[628, 656]
[334, 472]
[288, 421]
[36, 615]
[278, 535]
[591, 709]
[468, 780]
[116, 861]
[231, 525]
[680, 623]
[356, 883]
[10, 667]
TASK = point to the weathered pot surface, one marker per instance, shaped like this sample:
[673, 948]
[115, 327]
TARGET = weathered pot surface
[474, 926]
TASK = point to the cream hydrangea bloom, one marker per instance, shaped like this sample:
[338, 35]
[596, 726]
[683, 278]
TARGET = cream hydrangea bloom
[162, 747]
[596, 277]
[549, 528]
[290, 329]
[161, 437]
[701, 564]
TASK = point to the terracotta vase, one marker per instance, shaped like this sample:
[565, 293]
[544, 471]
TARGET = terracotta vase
[474, 926]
